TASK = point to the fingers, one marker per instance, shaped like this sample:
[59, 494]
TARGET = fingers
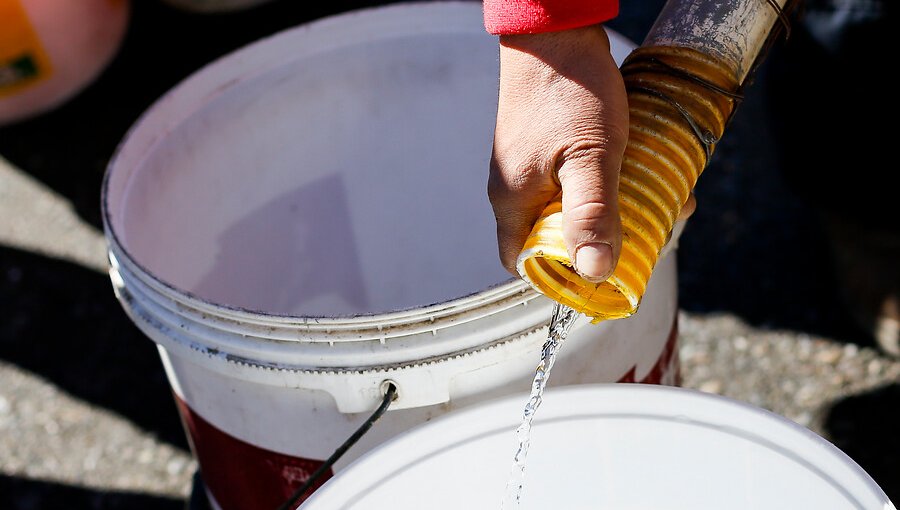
[591, 225]
[517, 202]
[688, 209]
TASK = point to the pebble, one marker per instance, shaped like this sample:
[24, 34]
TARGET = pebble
[711, 386]
[875, 367]
[828, 356]
[176, 466]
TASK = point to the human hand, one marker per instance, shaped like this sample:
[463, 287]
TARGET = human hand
[562, 126]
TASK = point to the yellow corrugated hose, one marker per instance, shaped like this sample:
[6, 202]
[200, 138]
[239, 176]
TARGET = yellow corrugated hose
[679, 103]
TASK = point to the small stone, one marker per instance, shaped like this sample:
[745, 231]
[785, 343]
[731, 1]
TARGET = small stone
[829, 356]
[51, 427]
[91, 460]
[804, 418]
[701, 358]
[807, 393]
[760, 349]
[175, 466]
[741, 343]
[788, 386]
[874, 367]
[145, 456]
[711, 386]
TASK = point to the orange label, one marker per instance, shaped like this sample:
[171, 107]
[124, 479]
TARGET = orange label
[23, 61]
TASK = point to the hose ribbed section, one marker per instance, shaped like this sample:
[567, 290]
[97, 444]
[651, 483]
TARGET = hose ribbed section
[679, 103]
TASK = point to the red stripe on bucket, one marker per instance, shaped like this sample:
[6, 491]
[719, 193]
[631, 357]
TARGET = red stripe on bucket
[667, 369]
[241, 476]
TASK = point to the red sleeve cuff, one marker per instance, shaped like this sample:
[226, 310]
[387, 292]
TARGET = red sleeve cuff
[502, 17]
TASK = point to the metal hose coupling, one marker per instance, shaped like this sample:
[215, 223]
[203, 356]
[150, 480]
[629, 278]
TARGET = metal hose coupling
[679, 100]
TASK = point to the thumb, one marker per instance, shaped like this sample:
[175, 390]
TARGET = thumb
[591, 226]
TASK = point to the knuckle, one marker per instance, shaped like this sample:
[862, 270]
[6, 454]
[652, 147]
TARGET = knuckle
[583, 152]
[589, 214]
[590, 222]
[509, 179]
[589, 148]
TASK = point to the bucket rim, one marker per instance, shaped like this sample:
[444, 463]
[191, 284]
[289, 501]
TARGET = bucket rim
[474, 300]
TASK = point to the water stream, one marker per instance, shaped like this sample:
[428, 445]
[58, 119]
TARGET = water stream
[560, 323]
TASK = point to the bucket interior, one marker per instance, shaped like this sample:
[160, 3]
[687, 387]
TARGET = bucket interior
[332, 170]
[348, 181]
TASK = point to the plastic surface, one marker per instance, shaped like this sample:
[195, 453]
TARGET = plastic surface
[622, 447]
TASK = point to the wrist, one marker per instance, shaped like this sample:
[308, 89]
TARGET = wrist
[580, 40]
[565, 52]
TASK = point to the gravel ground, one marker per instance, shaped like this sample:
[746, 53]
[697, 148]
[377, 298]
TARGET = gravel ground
[86, 416]
[49, 435]
[843, 392]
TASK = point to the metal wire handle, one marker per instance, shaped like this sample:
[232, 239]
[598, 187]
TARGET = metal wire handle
[390, 394]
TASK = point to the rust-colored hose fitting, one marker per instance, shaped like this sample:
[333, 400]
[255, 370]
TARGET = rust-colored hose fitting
[679, 102]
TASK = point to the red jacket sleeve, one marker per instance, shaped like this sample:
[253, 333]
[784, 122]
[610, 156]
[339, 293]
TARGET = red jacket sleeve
[533, 16]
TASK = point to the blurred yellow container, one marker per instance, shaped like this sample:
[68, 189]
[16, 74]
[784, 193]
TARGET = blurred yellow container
[51, 49]
[678, 111]
[23, 60]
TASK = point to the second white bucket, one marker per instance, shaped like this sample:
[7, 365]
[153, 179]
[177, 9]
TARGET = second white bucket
[306, 218]
[616, 447]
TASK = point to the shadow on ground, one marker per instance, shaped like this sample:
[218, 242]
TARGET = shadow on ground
[63, 322]
[756, 246]
[23, 494]
[867, 428]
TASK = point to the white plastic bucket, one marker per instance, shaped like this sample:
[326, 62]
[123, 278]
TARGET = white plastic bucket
[621, 447]
[307, 218]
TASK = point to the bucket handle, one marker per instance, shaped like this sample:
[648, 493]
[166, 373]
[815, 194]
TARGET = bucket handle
[389, 388]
